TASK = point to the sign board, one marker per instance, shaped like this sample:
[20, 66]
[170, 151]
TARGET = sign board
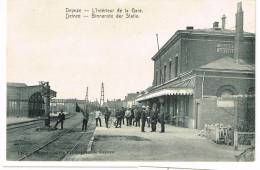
[225, 103]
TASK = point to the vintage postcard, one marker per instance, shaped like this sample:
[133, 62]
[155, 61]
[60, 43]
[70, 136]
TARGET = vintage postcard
[117, 81]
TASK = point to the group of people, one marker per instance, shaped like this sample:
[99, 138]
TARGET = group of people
[140, 116]
[133, 116]
[106, 113]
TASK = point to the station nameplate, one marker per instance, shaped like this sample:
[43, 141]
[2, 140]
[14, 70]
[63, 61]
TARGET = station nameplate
[225, 103]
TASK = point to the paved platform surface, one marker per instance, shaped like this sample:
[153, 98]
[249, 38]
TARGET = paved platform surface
[176, 144]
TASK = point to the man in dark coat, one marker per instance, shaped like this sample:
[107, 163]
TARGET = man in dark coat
[118, 118]
[123, 115]
[107, 116]
[61, 118]
[131, 117]
[137, 117]
[85, 120]
[162, 119]
[148, 116]
[143, 117]
[154, 118]
[85, 115]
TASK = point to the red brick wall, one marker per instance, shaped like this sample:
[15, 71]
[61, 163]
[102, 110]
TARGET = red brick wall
[196, 50]
[211, 113]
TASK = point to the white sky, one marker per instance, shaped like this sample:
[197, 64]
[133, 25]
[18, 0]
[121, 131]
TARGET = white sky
[73, 54]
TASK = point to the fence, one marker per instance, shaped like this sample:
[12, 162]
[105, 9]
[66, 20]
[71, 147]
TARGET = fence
[227, 135]
[219, 133]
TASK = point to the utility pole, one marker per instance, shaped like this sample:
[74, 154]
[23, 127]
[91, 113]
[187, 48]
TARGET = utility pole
[102, 98]
[86, 99]
[157, 42]
[160, 71]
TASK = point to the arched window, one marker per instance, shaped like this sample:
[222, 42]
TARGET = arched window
[226, 90]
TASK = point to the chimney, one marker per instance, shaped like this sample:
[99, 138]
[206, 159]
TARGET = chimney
[239, 18]
[239, 32]
[189, 28]
[223, 18]
[215, 25]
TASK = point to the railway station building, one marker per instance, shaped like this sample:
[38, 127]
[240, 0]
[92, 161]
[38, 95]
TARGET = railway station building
[206, 76]
[24, 100]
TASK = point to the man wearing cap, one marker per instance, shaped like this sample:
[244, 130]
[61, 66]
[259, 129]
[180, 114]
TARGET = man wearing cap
[97, 116]
[143, 117]
[85, 120]
[107, 116]
[154, 117]
[61, 118]
[128, 115]
[162, 119]
[148, 115]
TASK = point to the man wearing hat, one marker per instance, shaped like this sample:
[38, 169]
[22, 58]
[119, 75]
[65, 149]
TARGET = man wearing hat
[154, 117]
[61, 118]
[143, 117]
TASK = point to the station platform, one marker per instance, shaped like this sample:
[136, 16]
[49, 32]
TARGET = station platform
[176, 144]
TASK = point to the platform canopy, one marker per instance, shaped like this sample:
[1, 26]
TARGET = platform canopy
[166, 92]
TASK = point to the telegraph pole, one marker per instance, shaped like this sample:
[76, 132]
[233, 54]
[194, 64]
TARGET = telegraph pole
[102, 98]
[86, 97]
[157, 42]
[160, 71]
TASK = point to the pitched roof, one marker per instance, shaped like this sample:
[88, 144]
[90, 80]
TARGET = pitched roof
[228, 63]
[217, 31]
[16, 84]
[131, 96]
[206, 31]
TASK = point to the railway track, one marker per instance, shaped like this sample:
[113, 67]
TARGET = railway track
[66, 142]
[29, 124]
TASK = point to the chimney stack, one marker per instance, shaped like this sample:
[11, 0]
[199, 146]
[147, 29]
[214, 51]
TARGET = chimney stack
[239, 18]
[239, 32]
[223, 18]
[215, 25]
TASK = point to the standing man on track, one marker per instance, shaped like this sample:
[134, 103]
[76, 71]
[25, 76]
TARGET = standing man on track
[61, 118]
[85, 120]
[85, 117]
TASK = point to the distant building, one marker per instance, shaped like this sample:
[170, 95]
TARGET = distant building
[204, 76]
[130, 100]
[114, 104]
[25, 101]
[67, 105]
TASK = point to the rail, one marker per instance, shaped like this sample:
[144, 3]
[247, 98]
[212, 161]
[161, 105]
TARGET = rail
[29, 124]
[51, 141]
